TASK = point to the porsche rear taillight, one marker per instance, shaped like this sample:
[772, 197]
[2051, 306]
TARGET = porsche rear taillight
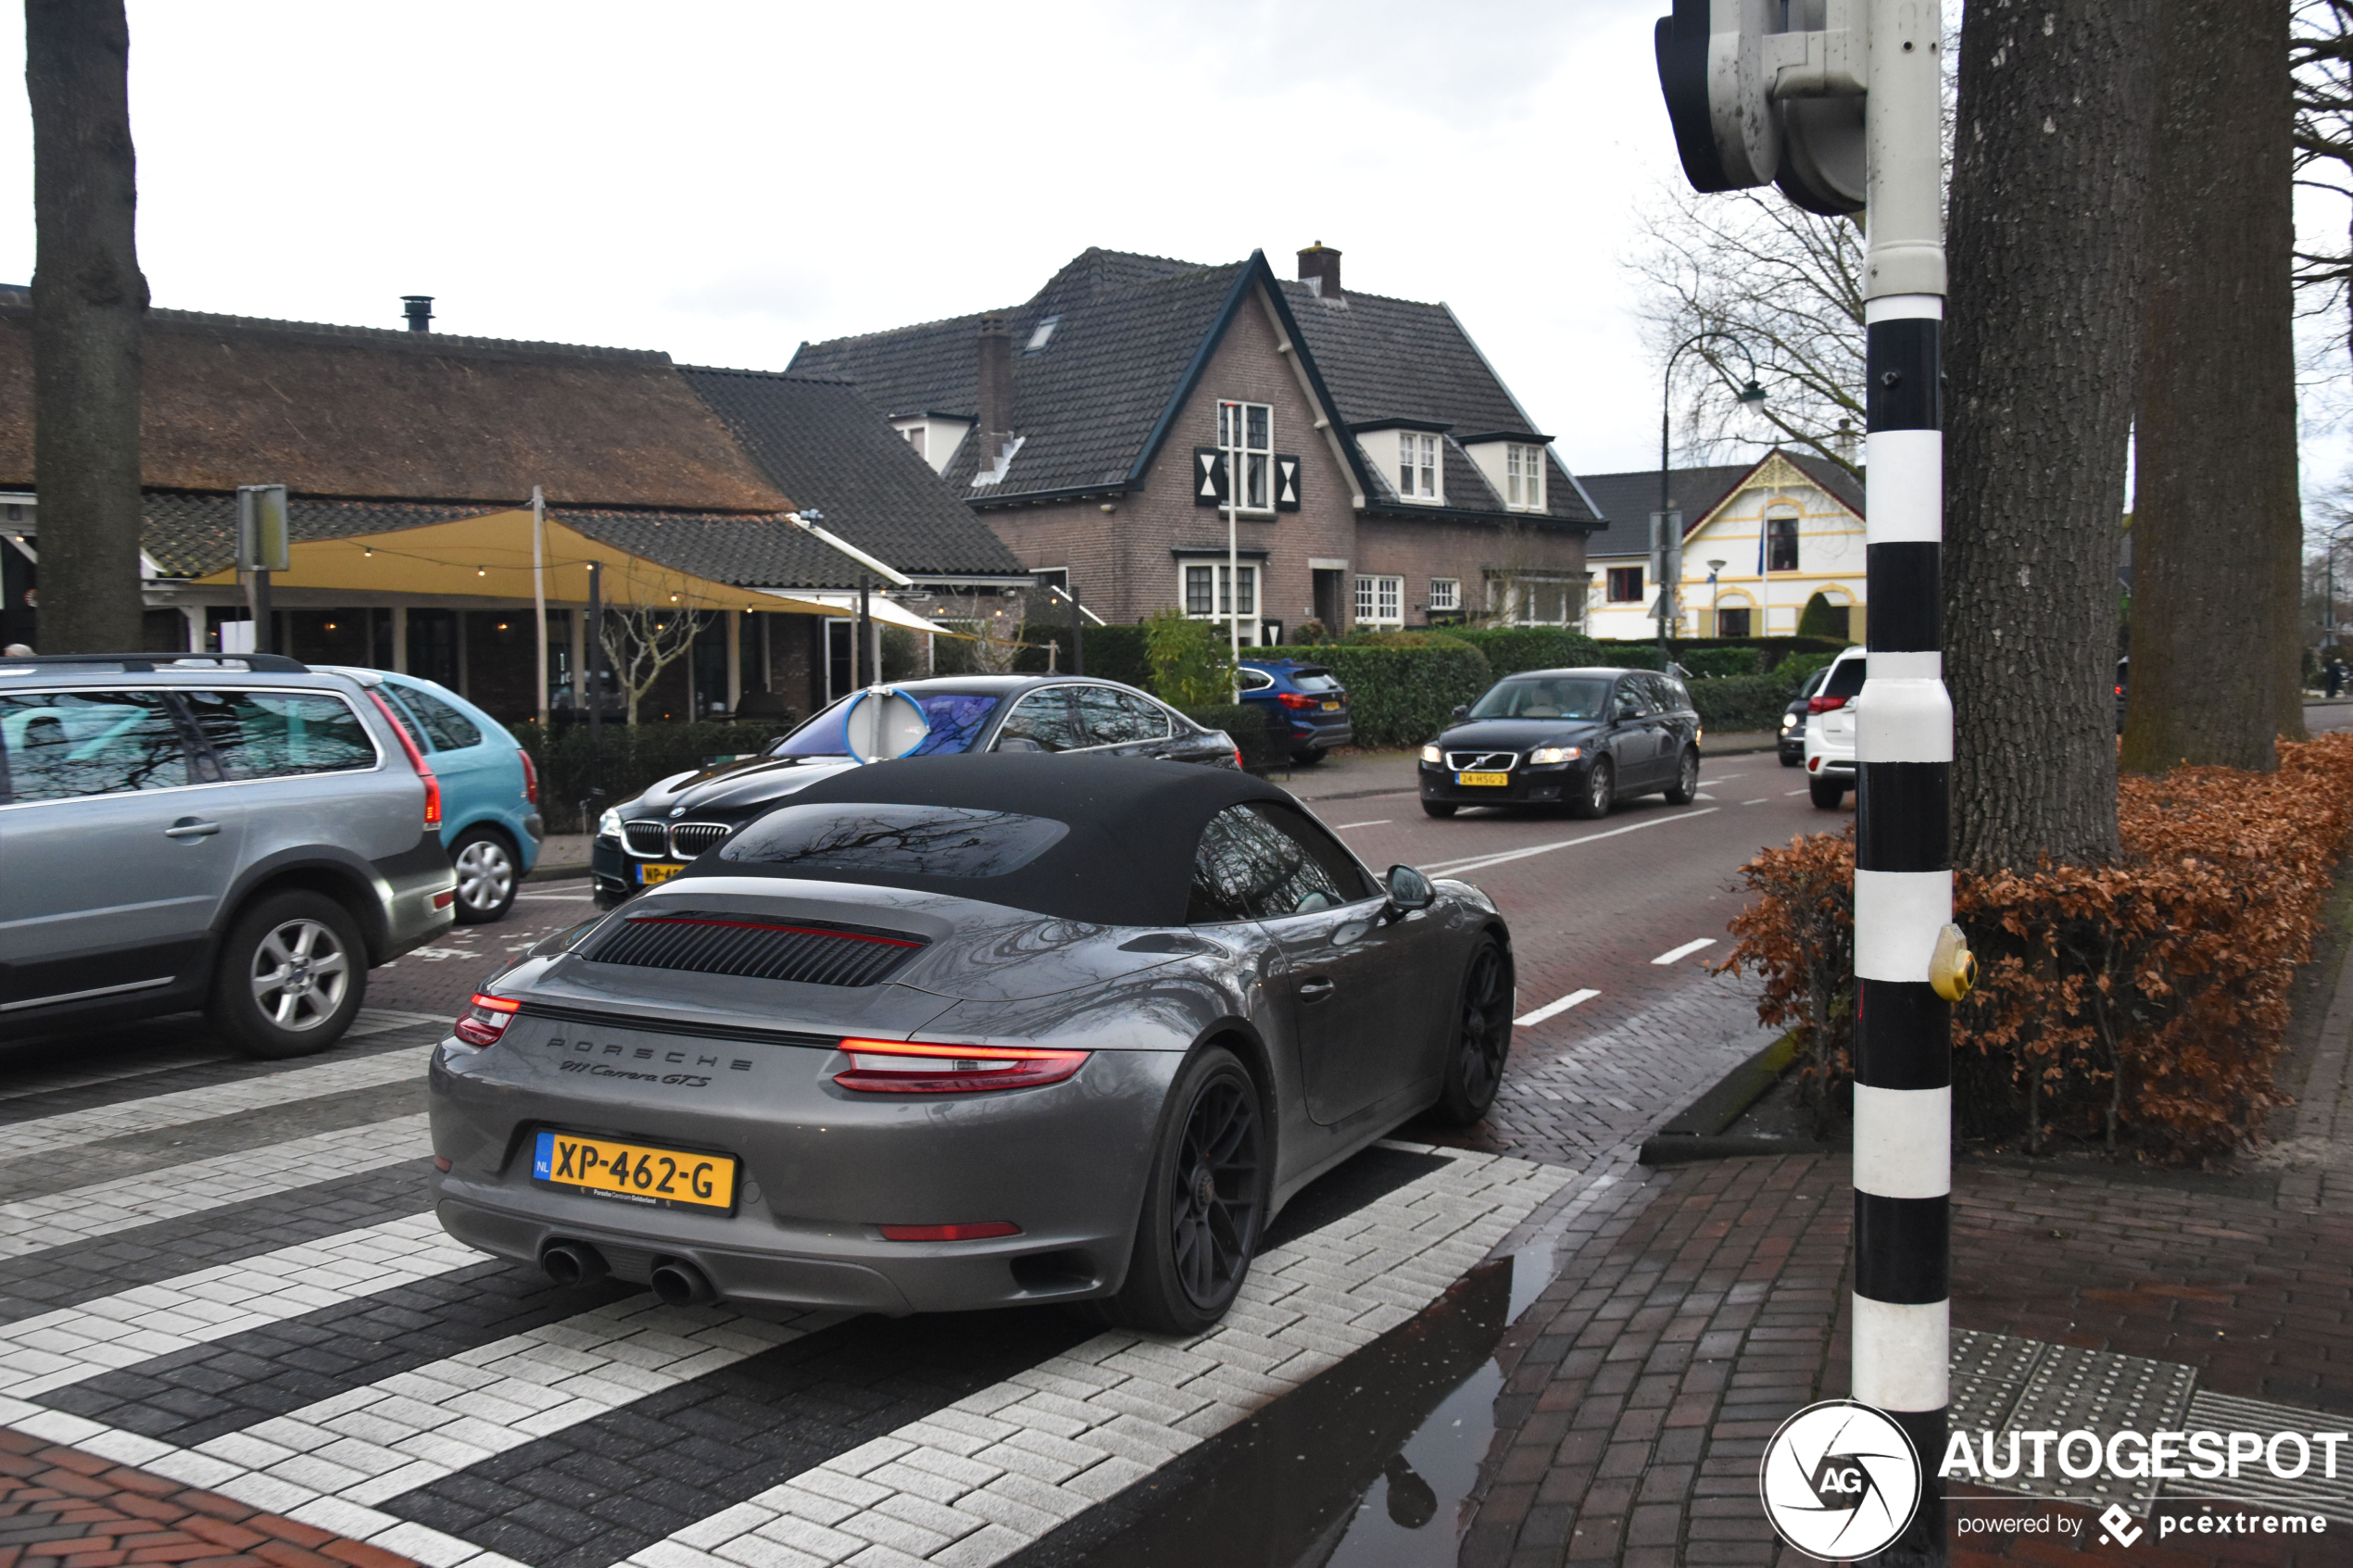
[909, 1067]
[980, 1230]
[485, 1020]
[1824, 704]
[416, 760]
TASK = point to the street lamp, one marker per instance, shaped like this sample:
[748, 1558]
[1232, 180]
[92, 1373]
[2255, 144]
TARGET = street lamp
[1670, 552]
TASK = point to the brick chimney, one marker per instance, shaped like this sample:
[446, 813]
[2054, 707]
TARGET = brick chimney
[1319, 266]
[995, 350]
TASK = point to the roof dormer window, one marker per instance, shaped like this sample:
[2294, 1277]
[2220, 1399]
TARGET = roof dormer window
[1416, 466]
[1524, 477]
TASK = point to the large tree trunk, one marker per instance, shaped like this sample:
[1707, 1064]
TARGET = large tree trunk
[2049, 191]
[2218, 531]
[89, 302]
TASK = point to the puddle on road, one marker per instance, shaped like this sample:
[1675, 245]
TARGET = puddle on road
[1366, 1466]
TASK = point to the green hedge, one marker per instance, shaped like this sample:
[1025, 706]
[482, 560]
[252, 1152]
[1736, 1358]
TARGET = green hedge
[1399, 696]
[1247, 725]
[1511, 649]
[633, 756]
[1741, 702]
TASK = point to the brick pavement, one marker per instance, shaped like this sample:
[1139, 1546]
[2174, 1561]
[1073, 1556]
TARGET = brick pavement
[61, 1507]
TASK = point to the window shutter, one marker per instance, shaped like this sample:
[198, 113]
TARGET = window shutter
[1286, 484]
[1209, 477]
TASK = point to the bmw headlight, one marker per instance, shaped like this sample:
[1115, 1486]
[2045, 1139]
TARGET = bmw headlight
[609, 825]
[1429, 756]
[1552, 756]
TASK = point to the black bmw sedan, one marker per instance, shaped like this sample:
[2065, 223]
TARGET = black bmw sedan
[1579, 738]
[649, 840]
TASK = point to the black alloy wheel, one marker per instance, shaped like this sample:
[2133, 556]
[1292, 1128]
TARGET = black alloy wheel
[1600, 792]
[1685, 788]
[1482, 1029]
[1204, 1205]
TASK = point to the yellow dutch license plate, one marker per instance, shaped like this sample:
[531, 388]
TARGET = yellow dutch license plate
[649, 875]
[1331, 708]
[630, 1172]
[1493, 780]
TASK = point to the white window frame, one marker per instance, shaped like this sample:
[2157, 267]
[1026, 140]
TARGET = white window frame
[1523, 477]
[1250, 461]
[1216, 580]
[1380, 599]
[1445, 594]
[1421, 462]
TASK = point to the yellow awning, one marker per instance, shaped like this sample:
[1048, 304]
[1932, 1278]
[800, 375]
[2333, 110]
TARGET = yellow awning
[490, 556]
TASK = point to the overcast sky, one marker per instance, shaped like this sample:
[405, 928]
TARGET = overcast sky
[721, 180]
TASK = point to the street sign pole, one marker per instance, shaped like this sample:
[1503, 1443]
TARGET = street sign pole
[1842, 108]
[264, 546]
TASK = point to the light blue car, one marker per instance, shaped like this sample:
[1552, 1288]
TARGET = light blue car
[490, 820]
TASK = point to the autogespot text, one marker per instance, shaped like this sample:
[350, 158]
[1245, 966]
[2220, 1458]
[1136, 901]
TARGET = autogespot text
[2134, 1456]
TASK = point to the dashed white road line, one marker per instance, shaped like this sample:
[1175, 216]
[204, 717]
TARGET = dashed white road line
[146, 1115]
[1376, 822]
[1481, 862]
[1552, 1010]
[59, 1219]
[1758, 801]
[1787, 793]
[1685, 951]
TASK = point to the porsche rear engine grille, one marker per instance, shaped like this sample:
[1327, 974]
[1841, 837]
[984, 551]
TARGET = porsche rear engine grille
[719, 943]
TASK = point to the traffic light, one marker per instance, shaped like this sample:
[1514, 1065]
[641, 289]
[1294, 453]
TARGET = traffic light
[1768, 91]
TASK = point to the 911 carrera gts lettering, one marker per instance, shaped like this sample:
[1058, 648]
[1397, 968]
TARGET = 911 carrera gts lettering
[678, 1080]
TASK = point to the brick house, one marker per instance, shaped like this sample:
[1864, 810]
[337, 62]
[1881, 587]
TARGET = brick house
[1380, 472]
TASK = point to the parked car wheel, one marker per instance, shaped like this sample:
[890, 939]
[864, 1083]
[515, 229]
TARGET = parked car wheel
[1686, 785]
[487, 875]
[1311, 755]
[1600, 794]
[1790, 760]
[1482, 1037]
[1829, 794]
[1205, 1202]
[290, 976]
[1440, 807]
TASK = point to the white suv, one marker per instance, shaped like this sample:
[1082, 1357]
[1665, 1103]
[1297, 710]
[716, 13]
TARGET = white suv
[1830, 731]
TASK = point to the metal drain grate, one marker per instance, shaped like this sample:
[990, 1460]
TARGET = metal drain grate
[1989, 1371]
[2313, 1492]
[2073, 1390]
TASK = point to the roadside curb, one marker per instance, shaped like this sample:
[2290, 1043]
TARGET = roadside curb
[1694, 1132]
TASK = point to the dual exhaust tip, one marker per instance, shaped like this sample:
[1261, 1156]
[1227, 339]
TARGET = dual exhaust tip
[675, 1282]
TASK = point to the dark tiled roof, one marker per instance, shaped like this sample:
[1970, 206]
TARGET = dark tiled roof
[381, 415]
[1129, 325]
[826, 447]
[1627, 499]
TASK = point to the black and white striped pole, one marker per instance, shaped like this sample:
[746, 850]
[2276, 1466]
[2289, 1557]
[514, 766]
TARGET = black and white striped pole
[1842, 108]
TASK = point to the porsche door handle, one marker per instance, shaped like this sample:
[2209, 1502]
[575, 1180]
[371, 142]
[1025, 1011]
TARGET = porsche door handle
[1317, 990]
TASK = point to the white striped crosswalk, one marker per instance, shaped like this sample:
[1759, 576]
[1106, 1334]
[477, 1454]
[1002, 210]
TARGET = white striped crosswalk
[969, 1482]
[241, 1096]
[36, 1224]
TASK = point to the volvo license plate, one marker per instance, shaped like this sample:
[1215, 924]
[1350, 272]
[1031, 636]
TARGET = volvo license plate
[1492, 781]
[630, 1172]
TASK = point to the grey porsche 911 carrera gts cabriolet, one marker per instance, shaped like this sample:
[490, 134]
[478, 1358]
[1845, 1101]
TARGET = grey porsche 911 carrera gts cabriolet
[962, 1032]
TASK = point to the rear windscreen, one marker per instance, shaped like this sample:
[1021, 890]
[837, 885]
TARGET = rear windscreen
[891, 842]
[956, 718]
[1315, 681]
[1846, 678]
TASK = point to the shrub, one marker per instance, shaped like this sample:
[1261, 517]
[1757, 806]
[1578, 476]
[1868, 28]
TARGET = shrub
[1511, 649]
[1191, 665]
[1400, 695]
[1310, 632]
[632, 758]
[2141, 1002]
[1248, 727]
[1741, 702]
[1116, 653]
[1823, 619]
[1711, 663]
[1794, 670]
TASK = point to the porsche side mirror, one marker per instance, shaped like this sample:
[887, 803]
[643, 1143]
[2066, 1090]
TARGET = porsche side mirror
[1409, 890]
[1461, 711]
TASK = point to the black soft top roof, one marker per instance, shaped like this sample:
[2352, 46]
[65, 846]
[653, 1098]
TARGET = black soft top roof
[1128, 858]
